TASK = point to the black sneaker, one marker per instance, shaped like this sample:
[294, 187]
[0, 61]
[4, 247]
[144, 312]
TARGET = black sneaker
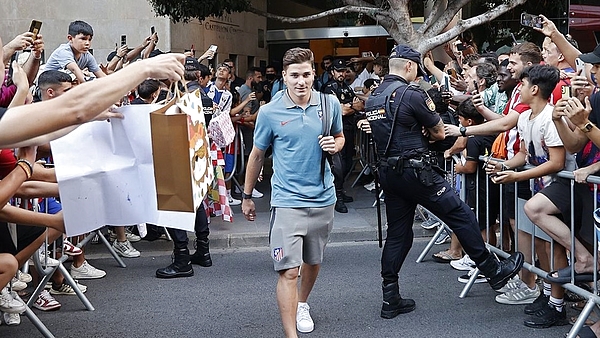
[341, 207]
[546, 317]
[537, 304]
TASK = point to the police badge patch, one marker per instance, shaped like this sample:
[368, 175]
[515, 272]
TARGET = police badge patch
[430, 104]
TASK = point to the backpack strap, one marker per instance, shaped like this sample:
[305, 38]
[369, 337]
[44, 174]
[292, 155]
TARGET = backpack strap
[326, 130]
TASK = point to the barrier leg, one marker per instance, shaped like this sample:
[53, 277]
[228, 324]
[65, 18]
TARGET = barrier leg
[470, 283]
[110, 249]
[589, 306]
[73, 284]
[37, 323]
[433, 239]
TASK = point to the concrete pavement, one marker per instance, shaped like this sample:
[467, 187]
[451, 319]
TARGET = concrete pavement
[359, 224]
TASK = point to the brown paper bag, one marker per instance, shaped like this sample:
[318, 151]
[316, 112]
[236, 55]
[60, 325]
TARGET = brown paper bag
[180, 148]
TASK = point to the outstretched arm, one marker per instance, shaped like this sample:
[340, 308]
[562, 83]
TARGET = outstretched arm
[84, 102]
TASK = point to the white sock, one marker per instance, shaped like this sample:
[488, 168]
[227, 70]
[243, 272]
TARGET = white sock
[558, 303]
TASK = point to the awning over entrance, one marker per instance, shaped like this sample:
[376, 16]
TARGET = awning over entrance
[327, 33]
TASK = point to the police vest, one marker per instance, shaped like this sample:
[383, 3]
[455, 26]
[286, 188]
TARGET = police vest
[391, 142]
[344, 93]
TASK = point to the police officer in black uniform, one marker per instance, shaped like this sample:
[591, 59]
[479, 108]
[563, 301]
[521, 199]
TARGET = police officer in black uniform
[402, 128]
[350, 105]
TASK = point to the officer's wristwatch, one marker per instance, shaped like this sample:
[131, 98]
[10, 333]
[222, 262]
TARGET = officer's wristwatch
[246, 196]
[463, 131]
[587, 127]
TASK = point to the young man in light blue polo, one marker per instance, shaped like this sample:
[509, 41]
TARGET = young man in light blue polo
[303, 195]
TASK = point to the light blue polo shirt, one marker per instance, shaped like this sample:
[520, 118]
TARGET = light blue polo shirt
[293, 132]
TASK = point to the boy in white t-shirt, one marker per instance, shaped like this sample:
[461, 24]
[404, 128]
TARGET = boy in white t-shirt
[541, 147]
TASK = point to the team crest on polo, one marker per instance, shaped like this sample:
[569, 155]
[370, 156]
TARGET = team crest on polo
[278, 254]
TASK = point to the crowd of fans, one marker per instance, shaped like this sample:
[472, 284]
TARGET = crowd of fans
[528, 105]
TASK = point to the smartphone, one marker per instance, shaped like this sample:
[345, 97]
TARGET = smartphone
[529, 20]
[446, 83]
[123, 40]
[14, 57]
[35, 27]
[213, 48]
[460, 46]
[566, 92]
[452, 72]
[152, 30]
[475, 91]
[580, 65]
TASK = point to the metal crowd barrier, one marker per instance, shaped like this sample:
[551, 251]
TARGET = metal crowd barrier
[593, 300]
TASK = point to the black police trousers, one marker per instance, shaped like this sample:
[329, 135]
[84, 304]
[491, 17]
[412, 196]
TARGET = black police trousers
[403, 191]
[180, 237]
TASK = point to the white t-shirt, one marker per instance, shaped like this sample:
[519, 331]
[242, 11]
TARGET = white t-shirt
[362, 77]
[538, 134]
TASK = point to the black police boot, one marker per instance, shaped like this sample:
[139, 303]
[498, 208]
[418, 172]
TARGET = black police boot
[346, 198]
[393, 304]
[340, 206]
[202, 255]
[181, 266]
[499, 272]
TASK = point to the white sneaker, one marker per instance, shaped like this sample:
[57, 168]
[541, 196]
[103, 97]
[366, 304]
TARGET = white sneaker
[46, 302]
[463, 264]
[86, 271]
[125, 249]
[513, 284]
[233, 201]
[9, 304]
[24, 277]
[519, 296]
[132, 237]
[369, 186]
[17, 285]
[66, 289]
[304, 322]
[466, 277]
[257, 194]
[11, 318]
[46, 260]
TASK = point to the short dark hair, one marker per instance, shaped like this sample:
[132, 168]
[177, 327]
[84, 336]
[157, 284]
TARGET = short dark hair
[52, 77]
[298, 55]
[146, 88]
[471, 60]
[190, 75]
[528, 52]
[544, 76]
[487, 72]
[252, 70]
[491, 58]
[467, 110]
[204, 71]
[370, 82]
[504, 63]
[80, 27]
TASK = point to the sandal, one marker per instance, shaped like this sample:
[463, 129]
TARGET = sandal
[444, 257]
[588, 321]
[585, 332]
